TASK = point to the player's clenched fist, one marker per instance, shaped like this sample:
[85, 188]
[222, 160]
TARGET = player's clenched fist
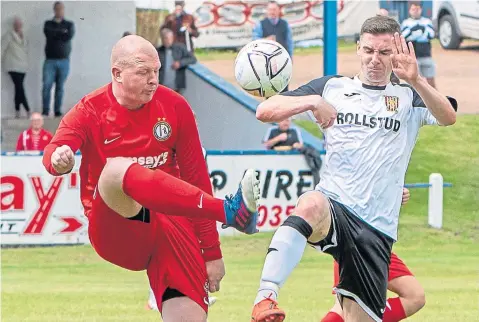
[324, 113]
[63, 159]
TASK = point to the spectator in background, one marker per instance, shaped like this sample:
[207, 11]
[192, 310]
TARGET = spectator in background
[183, 26]
[383, 12]
[14, 53]
[36, 137]
[274, 28]
[174, 58]
[59, 33]
[283, 137]
[419, 31]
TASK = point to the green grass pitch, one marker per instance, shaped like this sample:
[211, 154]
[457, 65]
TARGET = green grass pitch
[74, 284]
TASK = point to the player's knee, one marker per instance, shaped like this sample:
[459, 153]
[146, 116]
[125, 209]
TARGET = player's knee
[418, 298]
[110, 188]
[111, 177]
[314, 209]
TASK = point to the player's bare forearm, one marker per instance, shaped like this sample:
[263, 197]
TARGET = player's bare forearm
[279, 107]
[436, 102]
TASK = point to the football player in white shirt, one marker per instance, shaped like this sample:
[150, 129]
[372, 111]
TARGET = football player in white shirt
[370, 128]
[401, 281]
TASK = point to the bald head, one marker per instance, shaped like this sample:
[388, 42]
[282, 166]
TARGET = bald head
[134, 70]
[36, 121]
[129, 50]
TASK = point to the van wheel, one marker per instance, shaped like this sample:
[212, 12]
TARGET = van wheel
[448, 35]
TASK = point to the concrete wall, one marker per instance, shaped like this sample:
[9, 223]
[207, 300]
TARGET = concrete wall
[223, 122]
[103, 24]
[226, 114]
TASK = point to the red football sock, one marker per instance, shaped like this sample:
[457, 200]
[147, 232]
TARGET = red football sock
[332, 317]
[161, 192]
[394, 311]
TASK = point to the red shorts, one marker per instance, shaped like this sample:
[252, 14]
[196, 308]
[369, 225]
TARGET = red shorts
[397, 268]
[166, 247]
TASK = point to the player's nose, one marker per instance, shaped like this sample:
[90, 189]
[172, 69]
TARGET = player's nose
[153, 81]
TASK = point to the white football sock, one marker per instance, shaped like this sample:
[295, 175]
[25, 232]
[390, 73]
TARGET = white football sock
[152, 301]
[284, 253]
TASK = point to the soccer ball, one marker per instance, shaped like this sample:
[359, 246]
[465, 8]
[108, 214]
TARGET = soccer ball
[263, 68]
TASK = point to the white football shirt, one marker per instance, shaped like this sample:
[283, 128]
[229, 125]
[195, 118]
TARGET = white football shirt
[369, 146]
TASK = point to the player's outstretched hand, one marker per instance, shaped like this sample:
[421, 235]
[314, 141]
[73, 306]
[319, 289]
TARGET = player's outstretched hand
[216, 271]
[324, 113]
[63, 159]
[404, 60]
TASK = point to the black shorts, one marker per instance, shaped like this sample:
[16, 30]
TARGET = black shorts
[363, 254]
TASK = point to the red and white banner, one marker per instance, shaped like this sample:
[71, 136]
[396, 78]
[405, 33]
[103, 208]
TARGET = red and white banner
[225, 24]
[38, 208]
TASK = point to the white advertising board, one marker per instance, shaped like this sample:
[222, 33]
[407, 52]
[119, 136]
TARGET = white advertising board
[224, 24]
[38, 208]
[283, 178]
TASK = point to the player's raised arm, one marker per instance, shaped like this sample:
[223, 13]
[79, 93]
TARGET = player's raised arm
[58, 157]
[306, 98]
[405, 67]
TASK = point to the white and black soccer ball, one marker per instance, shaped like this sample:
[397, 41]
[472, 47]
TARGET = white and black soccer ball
[263, 68]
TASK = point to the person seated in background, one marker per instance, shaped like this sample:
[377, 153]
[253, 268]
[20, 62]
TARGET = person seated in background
[174, 58]
[36, 138]
[183, 26]
[283, 137]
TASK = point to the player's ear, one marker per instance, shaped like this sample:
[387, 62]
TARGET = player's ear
[116, 73]
[358, 47]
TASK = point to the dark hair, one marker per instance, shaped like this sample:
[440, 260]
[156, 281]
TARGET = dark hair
[380, 25]
[179, 3]
[126, 33]
[56, 4]
[414, 3]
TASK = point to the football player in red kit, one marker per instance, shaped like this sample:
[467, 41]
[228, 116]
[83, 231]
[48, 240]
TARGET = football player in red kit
[400, 281]
[144, 183]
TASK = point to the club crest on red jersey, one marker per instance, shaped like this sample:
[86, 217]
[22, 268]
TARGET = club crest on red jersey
[162, 130]
[392, 103]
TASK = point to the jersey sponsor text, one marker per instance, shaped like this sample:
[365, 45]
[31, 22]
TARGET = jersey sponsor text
[369, 121]
[150, 162]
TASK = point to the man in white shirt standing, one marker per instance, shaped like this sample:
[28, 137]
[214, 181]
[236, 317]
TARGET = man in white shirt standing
[370, 127]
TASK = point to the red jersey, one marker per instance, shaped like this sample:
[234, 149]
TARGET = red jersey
[28, 141]
[162, 135]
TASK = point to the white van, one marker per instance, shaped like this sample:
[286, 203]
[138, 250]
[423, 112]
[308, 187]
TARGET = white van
[455, 21]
